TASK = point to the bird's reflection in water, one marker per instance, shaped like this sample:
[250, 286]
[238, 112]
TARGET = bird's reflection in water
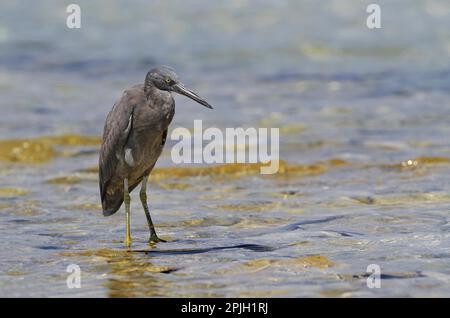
[133, 275]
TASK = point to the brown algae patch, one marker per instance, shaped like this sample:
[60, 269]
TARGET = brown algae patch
[106, 253]
[176, 186]
[286, 194]
[312, 261]
[70, 180]
[201, 222]
[26, 151]
[337, 162]
[239, 170]
[317, 261]
[236, 170]
[291, 130]
[426, 161]
[291, 208]
[72, 140]
[413, 198]
[22, 208]
[122, 262]
[256, 265]
[335, 293]
[86, 206]
[13, 192]
[247, 222]
[16, 273]
[27, 211]
[248, 207]
[258, 222]
[417, 163]
[364, 200]
[4, 206]
[40, 150]
[91, 170]
[263, 293]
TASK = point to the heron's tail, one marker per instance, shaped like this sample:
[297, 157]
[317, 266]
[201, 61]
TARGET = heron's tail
[111, 204]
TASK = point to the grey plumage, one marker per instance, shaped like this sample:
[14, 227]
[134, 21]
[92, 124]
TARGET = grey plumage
[134, 135]
[138, 124]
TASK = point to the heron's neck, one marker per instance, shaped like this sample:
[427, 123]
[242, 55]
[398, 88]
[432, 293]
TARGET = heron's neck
[150, 90]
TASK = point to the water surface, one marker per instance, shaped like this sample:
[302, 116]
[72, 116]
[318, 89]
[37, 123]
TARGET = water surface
[364, 136]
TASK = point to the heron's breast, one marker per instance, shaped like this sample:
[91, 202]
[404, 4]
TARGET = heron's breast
[143, 148]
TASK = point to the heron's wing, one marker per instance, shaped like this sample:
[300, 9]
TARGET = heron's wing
[164, 137]
[115, 135]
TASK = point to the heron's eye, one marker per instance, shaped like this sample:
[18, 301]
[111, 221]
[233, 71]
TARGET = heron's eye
[168, 80]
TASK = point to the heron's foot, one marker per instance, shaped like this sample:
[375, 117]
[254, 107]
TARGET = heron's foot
[127, 241]
[155, 239]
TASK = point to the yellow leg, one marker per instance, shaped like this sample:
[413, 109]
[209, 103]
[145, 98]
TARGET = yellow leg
[143, 195]
[127, 200]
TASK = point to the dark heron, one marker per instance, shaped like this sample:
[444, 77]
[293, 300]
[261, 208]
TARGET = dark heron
[133, 138]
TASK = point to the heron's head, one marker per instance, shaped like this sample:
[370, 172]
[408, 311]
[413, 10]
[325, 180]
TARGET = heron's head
[165, 78]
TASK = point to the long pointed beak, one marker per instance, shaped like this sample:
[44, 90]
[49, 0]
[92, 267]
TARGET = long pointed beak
[180, 89]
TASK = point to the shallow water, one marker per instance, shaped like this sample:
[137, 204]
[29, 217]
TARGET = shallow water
[364, 125]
